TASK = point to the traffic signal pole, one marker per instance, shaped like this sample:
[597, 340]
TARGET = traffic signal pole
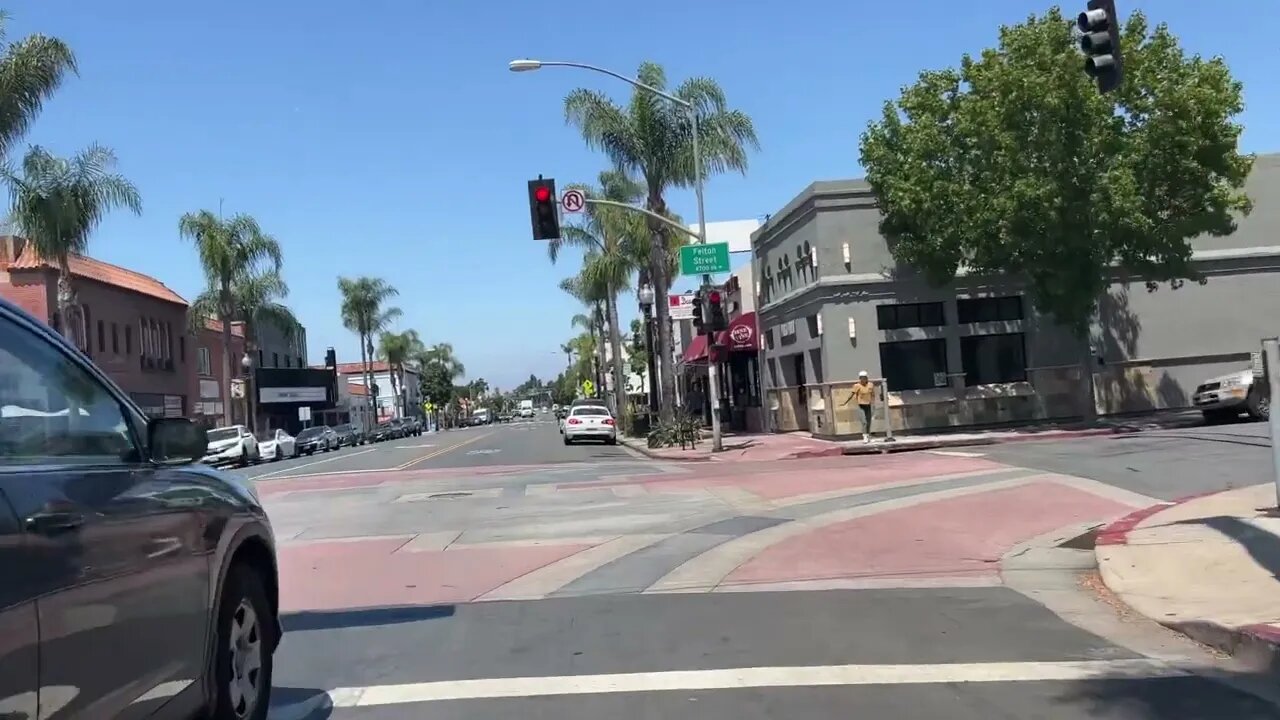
[713, 373]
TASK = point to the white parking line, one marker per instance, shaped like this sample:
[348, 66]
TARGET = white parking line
[757, 677]
[309, 464]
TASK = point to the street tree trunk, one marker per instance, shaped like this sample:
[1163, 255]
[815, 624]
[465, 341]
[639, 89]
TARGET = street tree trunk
[659, 278]
[66, 302]
[615, 344]
[370, 416]
[225, 318]
[395, 391]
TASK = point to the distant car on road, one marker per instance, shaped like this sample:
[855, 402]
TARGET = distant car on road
[1223, 398]
[590, 422]
[348, 434]
[134, 582]
[317, 439]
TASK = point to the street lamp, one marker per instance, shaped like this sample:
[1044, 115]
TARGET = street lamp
[645, 296]
[529, 64]
[246, 363]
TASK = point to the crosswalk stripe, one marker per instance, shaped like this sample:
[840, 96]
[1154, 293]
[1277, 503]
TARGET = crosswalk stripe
[756, 677]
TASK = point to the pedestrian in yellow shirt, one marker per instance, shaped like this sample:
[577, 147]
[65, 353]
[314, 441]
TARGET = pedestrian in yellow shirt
[864, 394]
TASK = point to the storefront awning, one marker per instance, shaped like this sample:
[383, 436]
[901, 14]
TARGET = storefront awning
[740, 336]
[696, 351]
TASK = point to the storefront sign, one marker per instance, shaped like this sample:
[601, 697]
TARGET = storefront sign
[293, 395]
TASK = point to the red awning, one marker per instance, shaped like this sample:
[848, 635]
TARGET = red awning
[697, 349]
[741, 335]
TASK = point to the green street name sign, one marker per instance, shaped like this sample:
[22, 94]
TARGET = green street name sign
[704, 259]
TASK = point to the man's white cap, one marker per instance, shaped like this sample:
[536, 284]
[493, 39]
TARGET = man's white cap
[862, 373]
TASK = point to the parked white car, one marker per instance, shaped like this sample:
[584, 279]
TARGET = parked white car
[233, 445]
[277, 445]
[590, 422]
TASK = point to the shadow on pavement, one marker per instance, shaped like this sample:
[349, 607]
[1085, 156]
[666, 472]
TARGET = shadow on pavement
[289, 703]
[1261, 545]
[363, 617]
[1208, 695]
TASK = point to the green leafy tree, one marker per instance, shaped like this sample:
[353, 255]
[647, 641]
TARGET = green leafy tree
[364, 312]
[1013, 163]
[241, 264]
[57, 203]
[652, 139]
[31, 70]
[398, 349]
[638, 354]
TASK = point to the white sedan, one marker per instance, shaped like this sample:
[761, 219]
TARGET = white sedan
[277, 445]
[590, 422]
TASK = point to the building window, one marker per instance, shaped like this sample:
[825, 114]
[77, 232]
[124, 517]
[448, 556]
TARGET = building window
[994, 358]
[204, 363]
[128, 339]
[182, 348]
[288, 361]
[992, 309]
[260, 359]
[168, 341]
[275, 359]
[910, 315]
[115, 338]
[87, 328]
[102, 337]
[914, 364]
[300, 363]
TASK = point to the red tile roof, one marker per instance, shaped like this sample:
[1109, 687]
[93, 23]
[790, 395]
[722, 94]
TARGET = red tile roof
[355, 368]
[102, 272]
[357, 389]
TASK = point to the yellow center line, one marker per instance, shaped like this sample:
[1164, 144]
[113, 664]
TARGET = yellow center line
[442, 451]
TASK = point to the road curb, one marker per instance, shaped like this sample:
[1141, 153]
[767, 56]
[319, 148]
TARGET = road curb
[654, 453]
[908, 445]
[1257, 645]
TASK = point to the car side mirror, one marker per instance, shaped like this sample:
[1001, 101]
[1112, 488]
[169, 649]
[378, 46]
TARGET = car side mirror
[176, 441]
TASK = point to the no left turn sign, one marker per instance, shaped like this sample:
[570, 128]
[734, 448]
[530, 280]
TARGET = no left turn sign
[573, 201]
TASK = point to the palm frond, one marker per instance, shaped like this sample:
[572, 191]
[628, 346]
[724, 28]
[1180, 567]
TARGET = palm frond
[31, 70]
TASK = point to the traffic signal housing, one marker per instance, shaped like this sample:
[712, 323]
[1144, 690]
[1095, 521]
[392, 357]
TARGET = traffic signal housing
[699, 316]
[715, 311]
[544, 209]
[1100, 41]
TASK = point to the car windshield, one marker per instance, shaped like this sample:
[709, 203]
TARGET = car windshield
[590, 410]
[310, 433]
[223, 434]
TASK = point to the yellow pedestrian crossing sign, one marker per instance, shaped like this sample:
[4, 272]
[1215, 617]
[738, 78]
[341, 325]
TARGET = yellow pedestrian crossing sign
[588, 388]
[428, 406]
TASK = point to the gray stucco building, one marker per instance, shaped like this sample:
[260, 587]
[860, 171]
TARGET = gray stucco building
[832, 301]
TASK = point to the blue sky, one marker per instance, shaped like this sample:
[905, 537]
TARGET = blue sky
[387, 137]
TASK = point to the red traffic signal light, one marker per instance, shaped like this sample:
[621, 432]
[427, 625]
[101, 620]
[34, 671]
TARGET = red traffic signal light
[544, 212]
[714, 297]
[542, 194]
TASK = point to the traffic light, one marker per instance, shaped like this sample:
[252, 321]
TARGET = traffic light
[1100, 41]
[544, 209]
[715, 311]
[699, 319]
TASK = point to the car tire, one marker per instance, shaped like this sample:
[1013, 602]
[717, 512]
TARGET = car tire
[567, 441]
[611, 441]
[244, 638]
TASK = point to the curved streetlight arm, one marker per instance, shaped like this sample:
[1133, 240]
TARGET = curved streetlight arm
[643, 211]
[632, 81]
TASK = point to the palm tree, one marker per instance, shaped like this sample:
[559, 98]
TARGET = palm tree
[567, 349]
[57, 203]
[616, 243]
[653, 139]
[397, 349]
[590, 291]
[364, 313]
[31, 69]
[441, 356]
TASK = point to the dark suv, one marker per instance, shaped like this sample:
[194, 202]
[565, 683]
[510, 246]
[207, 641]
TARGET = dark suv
[133, 581]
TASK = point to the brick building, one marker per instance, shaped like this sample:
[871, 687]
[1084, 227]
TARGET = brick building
[135, 328]
[208, 379]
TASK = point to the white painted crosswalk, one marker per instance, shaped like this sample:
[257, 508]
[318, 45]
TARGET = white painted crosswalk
[735, 678]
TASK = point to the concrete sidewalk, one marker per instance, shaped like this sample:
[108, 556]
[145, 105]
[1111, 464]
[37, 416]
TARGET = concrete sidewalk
[743, 447]
[1206, 566]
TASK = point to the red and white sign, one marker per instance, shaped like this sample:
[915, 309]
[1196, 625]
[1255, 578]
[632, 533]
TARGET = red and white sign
[681, 306]
[741, 336]
[573, 201]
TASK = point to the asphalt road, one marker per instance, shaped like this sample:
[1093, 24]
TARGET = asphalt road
[494, 572]
[1165, 464]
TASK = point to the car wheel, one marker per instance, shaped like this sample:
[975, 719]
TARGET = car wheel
[242, 654]
[611, 441]
[567, 441]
